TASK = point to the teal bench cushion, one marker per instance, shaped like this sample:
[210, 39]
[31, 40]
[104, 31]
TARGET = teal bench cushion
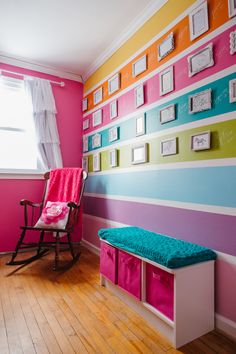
[168, 251]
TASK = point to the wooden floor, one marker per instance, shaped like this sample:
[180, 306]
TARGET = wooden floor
[46, 312]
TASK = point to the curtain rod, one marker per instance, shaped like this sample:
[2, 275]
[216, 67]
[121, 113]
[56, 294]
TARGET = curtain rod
[62, 84]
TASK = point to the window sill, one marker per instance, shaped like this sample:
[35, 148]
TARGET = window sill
[21, 174]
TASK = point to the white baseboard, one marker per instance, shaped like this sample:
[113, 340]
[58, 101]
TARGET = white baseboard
[91, 247]
[226, 326]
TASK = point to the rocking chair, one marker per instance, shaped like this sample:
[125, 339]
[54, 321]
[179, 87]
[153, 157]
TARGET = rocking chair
[72, 182]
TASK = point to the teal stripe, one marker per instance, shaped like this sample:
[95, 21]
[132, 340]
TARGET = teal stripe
[211, 185]
[220, 105]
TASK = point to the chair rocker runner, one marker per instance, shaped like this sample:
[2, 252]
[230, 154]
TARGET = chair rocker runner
[67, 199]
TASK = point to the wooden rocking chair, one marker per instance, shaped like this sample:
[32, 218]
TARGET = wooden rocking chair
[41, 246]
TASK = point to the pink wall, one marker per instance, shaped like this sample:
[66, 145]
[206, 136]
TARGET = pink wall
[68, 101]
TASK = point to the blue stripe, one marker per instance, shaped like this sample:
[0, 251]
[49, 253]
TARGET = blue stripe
[211, 185]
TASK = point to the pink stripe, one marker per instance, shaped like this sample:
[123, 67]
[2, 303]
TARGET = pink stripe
[222, 60]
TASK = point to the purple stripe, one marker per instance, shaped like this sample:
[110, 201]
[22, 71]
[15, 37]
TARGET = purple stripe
[215, 231]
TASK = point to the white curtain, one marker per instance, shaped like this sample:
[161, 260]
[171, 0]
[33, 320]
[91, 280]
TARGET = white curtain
[44, 112]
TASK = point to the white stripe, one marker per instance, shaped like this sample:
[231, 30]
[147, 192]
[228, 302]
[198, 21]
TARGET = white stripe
[168, 203]
[226, 257]
[183, 127]
[208, 80]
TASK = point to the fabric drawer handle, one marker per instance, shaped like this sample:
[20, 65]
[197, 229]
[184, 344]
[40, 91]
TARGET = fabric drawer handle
[110, 255]
[159, 277]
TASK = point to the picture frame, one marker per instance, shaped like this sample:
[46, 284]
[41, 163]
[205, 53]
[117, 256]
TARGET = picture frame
[85, 163]
[113, 134]
[166, 46]
[201, 60]
[139, 96]
[97, 118]
[86, 124]
[113, 158]
[96, 141]
[167, 114]
[139, 66]
[231, 8]
[98, 95]
[85, 144]
[140, 125]
[198, 21]
[114, 84]
[232, 42]
[139, 154]
[166, 80]
[85, 104]
[113, 109]
[168, 147]
[96, 162]
[232, 91]
[200, 101]
[201, 141]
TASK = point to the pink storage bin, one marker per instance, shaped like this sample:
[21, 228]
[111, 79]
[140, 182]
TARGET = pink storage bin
[160, 290]
[129, 274]
[108, 262]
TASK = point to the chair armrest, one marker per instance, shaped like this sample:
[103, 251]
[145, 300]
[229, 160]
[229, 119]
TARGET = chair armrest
[73, 205]
[28, 202]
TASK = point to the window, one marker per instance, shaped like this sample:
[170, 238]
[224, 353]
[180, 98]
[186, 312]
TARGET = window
[17, 136]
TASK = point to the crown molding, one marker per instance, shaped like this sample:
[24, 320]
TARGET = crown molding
[133, 27]
[23, 63]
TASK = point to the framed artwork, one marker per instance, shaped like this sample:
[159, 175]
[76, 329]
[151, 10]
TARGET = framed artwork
[114, 84]
[97, 96]
[85, 124]
[97, 118]
[232, 42]
[140, 125]
[139, 66]
[139, 154]
[139, 96]
[166, 46]
[201, 141]
[198, 21]
[113, 160]
[232, 8]
[84, 104]
[96, 141]
[96, 162]
[166, 79]
[113, 109]
[200, 101]
[168, 147]
[85, 163]
[232, 91]
[113, 134]
[167, 114]
[200, 60]
[85, 144]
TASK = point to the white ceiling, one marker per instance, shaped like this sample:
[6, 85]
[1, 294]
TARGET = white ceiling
[69, 35]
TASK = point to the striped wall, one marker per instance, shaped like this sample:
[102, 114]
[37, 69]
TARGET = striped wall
[190, 195]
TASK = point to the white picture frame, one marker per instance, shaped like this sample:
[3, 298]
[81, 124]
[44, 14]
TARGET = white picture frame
[98, 95]
[139, 96]
[97, 117]
[113, 158]
[201, 141]
[86, 124]
[85, 163]
[168, 147]
[139, 154]
[232, 91]
[97, 162]
[201, 60]
[200, 101]
[85, 104]
[198, 21]
[85, 144]
[139, 66]
[165, 47]
[231, 8]
[166, 81]
[140, 125]
[96, 141]
[167, 114]
[232, 42]
[113, 134]
[114, 84]
[113, 109]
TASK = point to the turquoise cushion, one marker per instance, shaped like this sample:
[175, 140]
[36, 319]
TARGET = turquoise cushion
[168, 251]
